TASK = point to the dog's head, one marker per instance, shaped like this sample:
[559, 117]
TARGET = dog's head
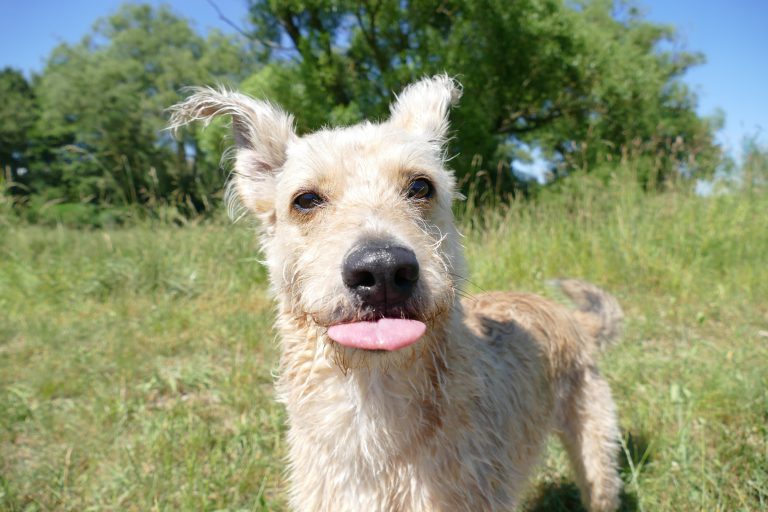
[356, 222]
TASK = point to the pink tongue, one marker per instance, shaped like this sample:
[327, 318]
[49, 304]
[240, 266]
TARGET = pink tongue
[384, 334]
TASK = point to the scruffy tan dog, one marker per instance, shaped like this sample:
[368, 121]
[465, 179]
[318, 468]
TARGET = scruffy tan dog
[400, 396]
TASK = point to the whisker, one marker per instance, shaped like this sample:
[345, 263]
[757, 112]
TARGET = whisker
[467, 280]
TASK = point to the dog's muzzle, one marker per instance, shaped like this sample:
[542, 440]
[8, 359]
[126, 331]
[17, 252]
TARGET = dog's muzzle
[382, 277]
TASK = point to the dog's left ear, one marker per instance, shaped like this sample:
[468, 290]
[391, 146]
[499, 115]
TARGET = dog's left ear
[422, 108]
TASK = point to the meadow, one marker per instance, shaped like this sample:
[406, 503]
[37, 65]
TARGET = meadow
[136, 362]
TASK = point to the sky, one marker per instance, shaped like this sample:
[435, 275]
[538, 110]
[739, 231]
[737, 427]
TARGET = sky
[733, 35]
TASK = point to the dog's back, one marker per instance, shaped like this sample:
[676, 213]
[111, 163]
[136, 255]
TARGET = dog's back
[594, 324]
[545, 354]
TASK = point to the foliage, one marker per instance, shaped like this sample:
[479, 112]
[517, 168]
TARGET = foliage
[754, 170]
[18, 111]
[100, 132]
[587, 82]
[584, 83]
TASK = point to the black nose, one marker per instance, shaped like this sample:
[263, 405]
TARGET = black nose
[380, 275]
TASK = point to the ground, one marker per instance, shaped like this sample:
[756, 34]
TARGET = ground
[136, 363]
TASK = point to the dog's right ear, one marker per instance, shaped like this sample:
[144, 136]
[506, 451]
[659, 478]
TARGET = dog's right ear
[261, 132]
[422, 108]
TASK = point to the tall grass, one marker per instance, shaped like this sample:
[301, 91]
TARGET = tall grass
[136, 363]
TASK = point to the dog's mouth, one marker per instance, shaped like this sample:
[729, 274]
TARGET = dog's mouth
[383, 334]
[373, 329]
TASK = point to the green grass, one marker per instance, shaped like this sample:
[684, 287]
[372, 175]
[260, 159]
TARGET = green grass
[136, 363]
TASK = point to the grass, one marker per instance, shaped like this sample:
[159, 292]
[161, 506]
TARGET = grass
[136, 363]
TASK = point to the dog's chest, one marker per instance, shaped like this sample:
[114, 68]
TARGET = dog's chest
[394, 440]
[379, 415]
[365, 439]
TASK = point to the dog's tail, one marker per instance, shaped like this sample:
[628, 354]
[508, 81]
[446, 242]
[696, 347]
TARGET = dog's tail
[597, 312]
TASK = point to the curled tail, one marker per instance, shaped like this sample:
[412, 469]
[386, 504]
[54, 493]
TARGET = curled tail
[597, 312]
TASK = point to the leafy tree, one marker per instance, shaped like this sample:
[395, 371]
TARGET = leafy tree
[582, 82]
[18, 111]
[103, 100]
[586, 81]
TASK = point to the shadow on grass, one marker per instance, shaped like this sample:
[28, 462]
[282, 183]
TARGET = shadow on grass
[563, 496]
[636, 453]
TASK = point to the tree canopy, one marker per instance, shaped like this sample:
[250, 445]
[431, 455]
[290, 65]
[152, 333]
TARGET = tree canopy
[582, 83]
[17, 117]
[99, 134]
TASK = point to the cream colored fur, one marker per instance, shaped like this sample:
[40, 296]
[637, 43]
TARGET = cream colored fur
[456, 421]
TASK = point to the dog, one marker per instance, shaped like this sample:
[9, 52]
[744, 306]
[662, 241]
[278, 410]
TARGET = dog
[400, 394]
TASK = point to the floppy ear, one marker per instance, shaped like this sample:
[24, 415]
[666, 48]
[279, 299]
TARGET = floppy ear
[422, 107]
[261, 131]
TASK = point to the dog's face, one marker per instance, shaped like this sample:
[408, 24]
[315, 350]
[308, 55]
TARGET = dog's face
[357, 225]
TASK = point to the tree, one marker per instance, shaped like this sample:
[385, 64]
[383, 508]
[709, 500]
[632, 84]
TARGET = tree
[18, 112]
[103, 102]
[583, 81]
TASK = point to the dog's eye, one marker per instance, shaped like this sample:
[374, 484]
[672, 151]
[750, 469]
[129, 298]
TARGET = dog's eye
[307, 201]
[420, 189]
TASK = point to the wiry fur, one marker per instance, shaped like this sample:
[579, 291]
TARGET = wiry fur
[456, 421]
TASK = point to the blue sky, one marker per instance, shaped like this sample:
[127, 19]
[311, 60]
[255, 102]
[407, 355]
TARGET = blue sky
[732, 35]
